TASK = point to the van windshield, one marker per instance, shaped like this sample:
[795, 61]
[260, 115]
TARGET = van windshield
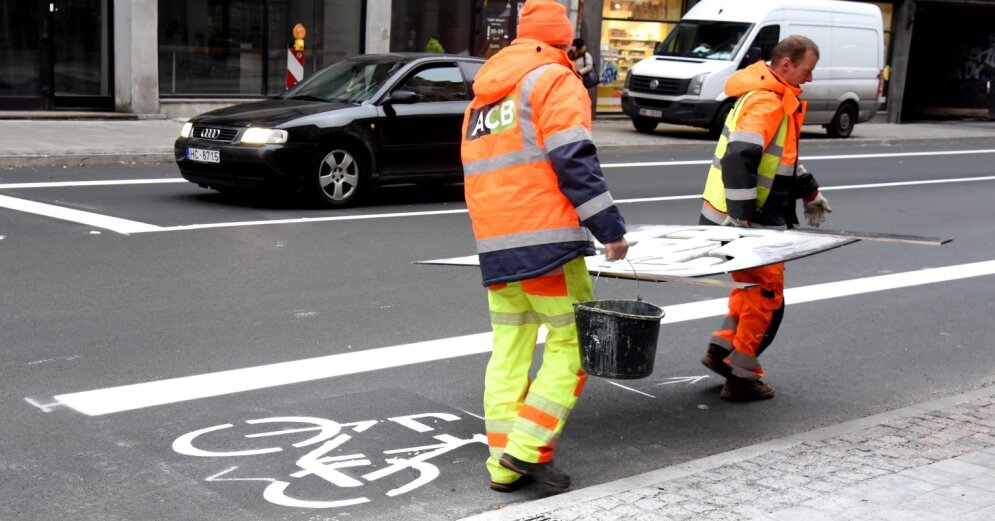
[704, 39]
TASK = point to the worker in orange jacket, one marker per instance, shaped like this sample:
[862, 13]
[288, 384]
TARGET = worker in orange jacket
[754, 181]
[536, 193]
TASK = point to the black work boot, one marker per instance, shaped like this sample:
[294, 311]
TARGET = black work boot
[745, 390]
[714, 359]
[519, 483]
[545, 473]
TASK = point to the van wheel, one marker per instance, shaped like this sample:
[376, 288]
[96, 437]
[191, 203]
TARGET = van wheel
[644, 125]
[843, 122]
[719, 121]
[339, 177]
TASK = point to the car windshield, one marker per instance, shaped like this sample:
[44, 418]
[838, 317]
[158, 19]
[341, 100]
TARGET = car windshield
[704, 39]
[351, 81]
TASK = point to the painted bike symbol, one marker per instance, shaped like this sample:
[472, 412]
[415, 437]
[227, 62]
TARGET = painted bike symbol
[329, 436]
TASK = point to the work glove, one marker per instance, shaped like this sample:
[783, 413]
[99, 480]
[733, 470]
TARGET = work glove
[729, 221]
[816, 210]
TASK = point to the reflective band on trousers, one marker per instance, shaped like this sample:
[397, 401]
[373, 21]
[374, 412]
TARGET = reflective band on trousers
[503, 318]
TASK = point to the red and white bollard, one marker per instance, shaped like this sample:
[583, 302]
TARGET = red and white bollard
[295, 67]
[295, 57]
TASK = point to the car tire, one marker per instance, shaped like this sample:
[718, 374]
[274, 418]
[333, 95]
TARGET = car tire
[843, 121]
[339, 176]
[645, 125]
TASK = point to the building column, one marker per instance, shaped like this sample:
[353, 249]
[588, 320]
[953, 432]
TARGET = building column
[377, 27]
[902, 22]
[136, 56]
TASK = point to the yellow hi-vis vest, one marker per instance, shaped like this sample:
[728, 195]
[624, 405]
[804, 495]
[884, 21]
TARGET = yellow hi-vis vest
[770, 161]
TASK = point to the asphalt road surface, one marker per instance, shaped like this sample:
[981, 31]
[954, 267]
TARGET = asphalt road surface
[169, 353]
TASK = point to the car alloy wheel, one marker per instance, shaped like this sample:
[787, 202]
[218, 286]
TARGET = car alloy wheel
[339, 177]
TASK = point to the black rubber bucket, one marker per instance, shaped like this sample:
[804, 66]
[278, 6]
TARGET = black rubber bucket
[618, 337]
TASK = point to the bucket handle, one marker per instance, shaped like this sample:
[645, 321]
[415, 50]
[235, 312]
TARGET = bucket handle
[635, 277]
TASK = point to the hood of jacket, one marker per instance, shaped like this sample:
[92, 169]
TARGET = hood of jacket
[503, 71]
[759, 77]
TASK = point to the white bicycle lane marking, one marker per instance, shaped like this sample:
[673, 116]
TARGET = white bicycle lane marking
[149, 394]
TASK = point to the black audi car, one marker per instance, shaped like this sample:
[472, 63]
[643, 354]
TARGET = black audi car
[363, 121]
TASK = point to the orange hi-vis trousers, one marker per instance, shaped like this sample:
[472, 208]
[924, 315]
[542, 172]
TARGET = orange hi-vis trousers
[754, 316]
[525, 418]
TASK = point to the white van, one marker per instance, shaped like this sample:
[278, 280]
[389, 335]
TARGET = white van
[684, 79]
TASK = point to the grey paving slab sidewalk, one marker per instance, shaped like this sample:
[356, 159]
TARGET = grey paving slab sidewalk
[52, 142]
[932, 461]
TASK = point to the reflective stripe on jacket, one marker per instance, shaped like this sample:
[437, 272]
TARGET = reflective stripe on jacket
[753, 176]
[533, 183]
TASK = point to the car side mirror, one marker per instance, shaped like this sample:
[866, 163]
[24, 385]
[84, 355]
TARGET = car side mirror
[401, 97]
[753, 55]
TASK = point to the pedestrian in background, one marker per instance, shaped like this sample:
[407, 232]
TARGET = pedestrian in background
[754, 182]
[434, 44]
[586, 68]
[534, 187]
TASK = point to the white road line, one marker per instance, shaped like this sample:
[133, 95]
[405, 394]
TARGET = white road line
[137, 396]
[812, 158]
[444, 212]
[74, 184]
[78, 216]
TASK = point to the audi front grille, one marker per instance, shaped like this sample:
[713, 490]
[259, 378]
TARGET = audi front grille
[213, 133]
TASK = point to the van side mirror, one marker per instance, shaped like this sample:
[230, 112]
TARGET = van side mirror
[401, 97]
[753, 55]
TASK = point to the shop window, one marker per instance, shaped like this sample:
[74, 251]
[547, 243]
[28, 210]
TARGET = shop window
[235, 48]
[431, 26]
[630, 31]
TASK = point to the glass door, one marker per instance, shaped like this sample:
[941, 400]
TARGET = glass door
[20, 55]
[80, 56]
[55, 55]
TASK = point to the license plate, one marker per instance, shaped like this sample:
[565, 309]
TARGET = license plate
[651, 113]
[201, 155]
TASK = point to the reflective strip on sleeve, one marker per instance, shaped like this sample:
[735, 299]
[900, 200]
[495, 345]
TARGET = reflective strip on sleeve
[741, 194]
[712, 215]
[566, 137]
[747, 137]
[764, 181]
[595, 205]
[785, 170]
[536, 238]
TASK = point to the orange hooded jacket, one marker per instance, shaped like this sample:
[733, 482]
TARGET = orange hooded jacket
[532, 179]
[761, 116]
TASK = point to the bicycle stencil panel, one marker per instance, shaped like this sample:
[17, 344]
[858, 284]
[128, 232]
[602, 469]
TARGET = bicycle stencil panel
[321, 450]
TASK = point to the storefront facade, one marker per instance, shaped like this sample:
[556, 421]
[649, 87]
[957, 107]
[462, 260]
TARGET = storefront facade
[182, 57]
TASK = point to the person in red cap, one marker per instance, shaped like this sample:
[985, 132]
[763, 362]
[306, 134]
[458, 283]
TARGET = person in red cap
[535, 193]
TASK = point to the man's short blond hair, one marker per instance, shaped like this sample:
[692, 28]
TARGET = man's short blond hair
[794, 47]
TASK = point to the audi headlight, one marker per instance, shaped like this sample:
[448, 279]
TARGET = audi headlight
[263, 136]
[694, 87]
[185, 131]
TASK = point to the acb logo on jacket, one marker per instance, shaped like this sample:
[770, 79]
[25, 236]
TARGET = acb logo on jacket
[491, 119]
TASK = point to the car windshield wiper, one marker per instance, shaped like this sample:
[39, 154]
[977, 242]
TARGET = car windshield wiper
[307, 97]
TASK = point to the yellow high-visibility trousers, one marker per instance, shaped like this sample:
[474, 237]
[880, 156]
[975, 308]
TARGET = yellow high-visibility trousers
[525, 418]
